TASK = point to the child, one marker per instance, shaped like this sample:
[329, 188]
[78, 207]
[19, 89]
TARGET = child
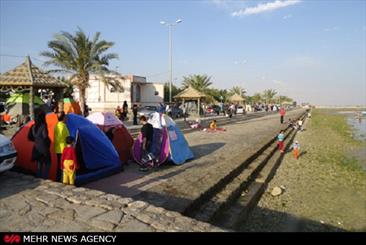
[60, 134]
[280, 141]
[213, 125]
[295, 148]
[69, 162]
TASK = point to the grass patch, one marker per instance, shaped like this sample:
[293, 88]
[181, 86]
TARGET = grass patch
[334, 139]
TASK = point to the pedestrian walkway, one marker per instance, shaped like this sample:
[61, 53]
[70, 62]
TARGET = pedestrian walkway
[174, 187]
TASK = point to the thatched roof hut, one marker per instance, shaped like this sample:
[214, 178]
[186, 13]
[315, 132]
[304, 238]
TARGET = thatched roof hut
[30, 77]
[236, 98]
[191, 93]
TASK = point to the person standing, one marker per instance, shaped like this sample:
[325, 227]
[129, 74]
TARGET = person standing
[134, 111]
[60, 134]
[38, 133]
[280, 141]
[69, 162]
[184, 109]
[282, 114]
[296, 148]
[118, 113]
[124, 110]
[147, 137]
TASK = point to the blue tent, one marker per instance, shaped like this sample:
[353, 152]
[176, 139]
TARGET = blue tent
[99, 157]
[179, 148]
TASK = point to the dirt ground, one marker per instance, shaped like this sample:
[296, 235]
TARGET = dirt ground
[324, 189]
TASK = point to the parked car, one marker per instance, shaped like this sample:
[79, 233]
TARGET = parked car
[175, 112]
[240, 110]
[8, 154]
[215, 109]
[147, 111]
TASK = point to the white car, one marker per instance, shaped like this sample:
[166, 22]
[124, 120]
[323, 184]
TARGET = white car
[240, 110]
[8, 154]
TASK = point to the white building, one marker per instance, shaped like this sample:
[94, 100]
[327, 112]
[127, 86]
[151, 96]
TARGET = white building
[102, 97]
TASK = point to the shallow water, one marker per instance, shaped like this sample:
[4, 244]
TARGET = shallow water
[359, 133]
[359, 126]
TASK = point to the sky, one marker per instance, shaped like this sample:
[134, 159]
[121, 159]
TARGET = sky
[310, 50]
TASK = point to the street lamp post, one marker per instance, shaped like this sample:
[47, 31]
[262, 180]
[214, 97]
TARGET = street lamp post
[170, 25]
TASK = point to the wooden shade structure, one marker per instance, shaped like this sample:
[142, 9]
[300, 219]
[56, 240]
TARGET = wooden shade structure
[236, 98]
[27, 76]
[191, 93]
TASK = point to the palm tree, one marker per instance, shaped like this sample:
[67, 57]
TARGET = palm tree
[256, 98]
[80, 56]
[269, 95]
[238, 90]
[199, 82]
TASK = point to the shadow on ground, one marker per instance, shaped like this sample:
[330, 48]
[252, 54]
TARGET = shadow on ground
[266, 220]
[11, 183]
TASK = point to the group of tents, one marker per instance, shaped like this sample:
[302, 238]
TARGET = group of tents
[99, 155]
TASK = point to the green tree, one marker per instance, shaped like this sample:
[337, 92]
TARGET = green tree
[282, 98]
[256, 98]
[175, 91]
[269, 95]
[80, 56]
[238, 90]
[199, 82]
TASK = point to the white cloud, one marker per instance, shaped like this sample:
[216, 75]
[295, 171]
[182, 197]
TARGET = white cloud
[266, 7]
[287, 17]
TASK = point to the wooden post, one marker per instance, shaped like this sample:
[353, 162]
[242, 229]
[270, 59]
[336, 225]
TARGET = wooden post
[31, 102]
[31, 90]
[199, 107]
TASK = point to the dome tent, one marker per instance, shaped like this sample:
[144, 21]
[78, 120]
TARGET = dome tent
[122, 139]
[97, 156]
[174, 145]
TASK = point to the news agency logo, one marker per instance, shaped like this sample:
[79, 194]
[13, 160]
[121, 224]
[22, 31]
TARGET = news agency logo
[13, 238]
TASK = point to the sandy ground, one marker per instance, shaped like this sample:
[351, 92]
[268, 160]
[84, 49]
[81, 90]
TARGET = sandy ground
[210, 150]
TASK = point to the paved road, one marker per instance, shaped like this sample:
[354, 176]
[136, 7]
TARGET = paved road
[174, 187]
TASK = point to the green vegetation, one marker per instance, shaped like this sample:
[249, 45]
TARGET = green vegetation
[80, 56]
[336, 139]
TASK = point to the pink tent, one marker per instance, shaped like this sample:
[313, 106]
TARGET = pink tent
[105, 120]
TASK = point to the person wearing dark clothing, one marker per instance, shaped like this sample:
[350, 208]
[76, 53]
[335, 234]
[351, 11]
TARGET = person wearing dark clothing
[110, 133]
[38, 133]
[134, 111]
[147, 137]
[124, 110]
[282, 114]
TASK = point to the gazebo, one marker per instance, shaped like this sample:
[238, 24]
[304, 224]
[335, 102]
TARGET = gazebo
[27, 76]
[191, 94]
[236, 98]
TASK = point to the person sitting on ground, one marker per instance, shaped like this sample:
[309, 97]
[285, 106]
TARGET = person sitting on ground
[69, 162]
[296, 148]
[280, 141]
[299, 124]
[213, 124]
[195, 124]
[147, 137]
[213, 127]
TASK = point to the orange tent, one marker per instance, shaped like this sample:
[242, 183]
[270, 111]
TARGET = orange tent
[70, 106]
[24, 147]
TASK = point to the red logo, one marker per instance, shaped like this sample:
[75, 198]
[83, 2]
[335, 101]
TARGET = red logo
[12, 239]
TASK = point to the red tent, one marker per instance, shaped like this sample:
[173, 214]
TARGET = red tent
[24, 146]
